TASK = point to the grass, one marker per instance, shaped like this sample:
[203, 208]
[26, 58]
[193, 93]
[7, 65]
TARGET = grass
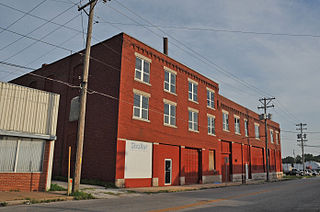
[80, 195]
[3, 204]
[56, 187]
[111, 193]
[34, 201]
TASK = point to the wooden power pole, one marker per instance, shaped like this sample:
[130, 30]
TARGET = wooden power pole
[83, 99]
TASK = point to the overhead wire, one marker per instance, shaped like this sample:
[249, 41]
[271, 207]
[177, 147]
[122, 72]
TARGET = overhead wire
[24, 15]
[40, 26]
[217, 67]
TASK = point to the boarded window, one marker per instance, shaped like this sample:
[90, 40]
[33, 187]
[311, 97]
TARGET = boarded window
[212, 160]
[21, 154]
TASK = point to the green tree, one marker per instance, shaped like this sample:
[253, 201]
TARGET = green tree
[288, 159]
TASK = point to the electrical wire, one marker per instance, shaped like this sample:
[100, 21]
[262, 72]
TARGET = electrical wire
[40, 26]
[24, 15]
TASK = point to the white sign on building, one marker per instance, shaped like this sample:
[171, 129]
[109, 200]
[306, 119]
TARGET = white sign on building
[138, 160]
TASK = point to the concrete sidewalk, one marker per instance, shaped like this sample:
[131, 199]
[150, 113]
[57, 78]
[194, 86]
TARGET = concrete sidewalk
[100, 192]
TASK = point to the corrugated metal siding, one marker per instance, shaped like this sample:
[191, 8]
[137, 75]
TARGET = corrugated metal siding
[28, 110]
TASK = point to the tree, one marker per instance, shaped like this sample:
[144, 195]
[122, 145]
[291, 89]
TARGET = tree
[288, 159]
[298, 159]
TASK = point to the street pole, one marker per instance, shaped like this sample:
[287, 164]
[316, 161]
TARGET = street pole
[83, 100]
[266, 102]
[302, 143]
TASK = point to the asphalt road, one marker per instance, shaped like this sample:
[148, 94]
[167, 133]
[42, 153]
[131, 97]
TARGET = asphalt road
[293, 195]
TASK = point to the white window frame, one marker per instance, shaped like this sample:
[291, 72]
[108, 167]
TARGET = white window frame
[210, 127]
[170, 82]
[257, 131]
[246, 127]
[277, 137]
[194, 91]
[193, 122]
[141, 94]
[171, 104]
[271, 136]
[225, 120]
[210, 101]
[237, 125]
[165, 171]
[143, 60]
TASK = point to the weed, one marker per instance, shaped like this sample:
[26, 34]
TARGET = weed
[3, 204]
[56, 187]
[80, 195]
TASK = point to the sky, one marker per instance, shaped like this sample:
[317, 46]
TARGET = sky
[252, 48]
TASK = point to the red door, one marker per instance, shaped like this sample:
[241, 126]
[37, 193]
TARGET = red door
[225, 167]
[191, 166]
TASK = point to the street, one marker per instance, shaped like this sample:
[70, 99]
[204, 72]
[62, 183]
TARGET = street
[291, 195]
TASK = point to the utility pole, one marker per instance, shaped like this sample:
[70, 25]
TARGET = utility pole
[83, 99]
[265, 102]
[300, 137]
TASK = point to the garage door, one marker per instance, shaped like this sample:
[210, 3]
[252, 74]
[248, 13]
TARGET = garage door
[191, 166]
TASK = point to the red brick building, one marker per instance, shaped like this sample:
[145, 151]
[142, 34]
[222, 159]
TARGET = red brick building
[152, 121]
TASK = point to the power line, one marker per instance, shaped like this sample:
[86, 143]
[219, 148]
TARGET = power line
[24, 15]
[215, 65]
[46, 35]
[33, 29]
[215, 30]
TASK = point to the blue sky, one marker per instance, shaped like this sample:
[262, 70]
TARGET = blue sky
[282, 66]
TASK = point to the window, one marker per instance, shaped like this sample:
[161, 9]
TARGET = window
[142, 70]
[211, 125]
[212, 156]
[169, 113]
[257, 131]
[237, 125]
[193, 120]
[246, 127]
[277, 138]
[210, 98]
[167, 171]
[170, 80]
[193, 91]
[271, 136]
[21, 154]
[141, 105]
[225, 121]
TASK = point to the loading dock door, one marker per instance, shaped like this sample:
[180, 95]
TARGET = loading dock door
[191, 166]
[225, 168]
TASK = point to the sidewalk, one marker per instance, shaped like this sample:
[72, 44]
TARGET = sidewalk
[100, 192]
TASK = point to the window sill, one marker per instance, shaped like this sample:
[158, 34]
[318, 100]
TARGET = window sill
[140, 119]
[193, 101]
[237, 133]
[212, 108]
[257, 139]
[143, 82]
[226, 130]
[170, 92]
[214, 135]
[196, 131]
[169, 125]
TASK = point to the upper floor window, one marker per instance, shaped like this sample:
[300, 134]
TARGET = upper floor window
[141, 105]
[237, 125]
[193, 119]
[277, 137]
[169, 80]
[246, 127]
[211, 125]
[142, 70]
[225, 120]
[210, 98]
[193, 90]
[257, 130]
[271, 136]
[169, 113]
